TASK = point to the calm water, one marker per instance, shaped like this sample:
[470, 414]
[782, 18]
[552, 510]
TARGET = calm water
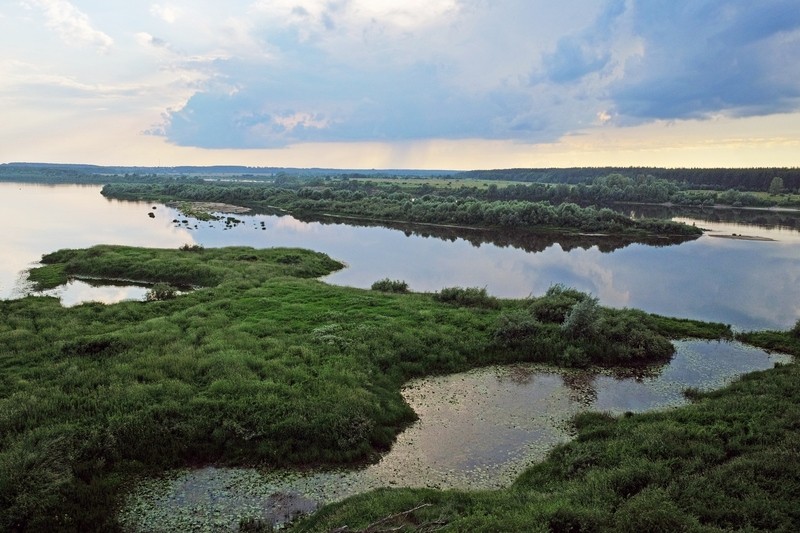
[477, 430]
[749, 284]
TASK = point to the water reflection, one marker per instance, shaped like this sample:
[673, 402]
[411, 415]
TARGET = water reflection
[510, 237]
[39, 219]
[749, 284]
[477, 430]
[774, 218]
[77, 291]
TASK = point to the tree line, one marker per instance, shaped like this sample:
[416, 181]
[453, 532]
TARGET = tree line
[748, 179]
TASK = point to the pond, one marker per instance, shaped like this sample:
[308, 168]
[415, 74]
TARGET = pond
[750, 284]
[495, 422]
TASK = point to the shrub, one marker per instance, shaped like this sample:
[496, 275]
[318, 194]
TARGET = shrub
[467, 297]
[556, 303]
[515, 327]
[390, 285]
[581, 321]
[573, 356]
[795, 331]
[161, 291]
[191, 248]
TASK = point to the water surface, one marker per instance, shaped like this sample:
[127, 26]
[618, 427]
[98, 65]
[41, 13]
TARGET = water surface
[749, 284]
[476, 430]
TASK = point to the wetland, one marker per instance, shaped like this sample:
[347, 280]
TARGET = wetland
[357, 348]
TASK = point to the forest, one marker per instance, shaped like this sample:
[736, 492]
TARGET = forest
[711, 179]
[743, 179]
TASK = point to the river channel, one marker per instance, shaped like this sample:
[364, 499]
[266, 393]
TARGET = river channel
[750, 284]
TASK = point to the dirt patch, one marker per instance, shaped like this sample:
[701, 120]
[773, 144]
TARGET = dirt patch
[215, 207]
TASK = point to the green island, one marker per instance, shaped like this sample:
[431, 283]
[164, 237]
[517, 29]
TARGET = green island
[466, 207]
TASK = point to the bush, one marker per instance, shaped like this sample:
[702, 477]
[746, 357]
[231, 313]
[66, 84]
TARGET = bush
[161, 291]
[191, 248]
[467, 297]
[556, 303]
[581, 322]
[390, 285]
[795, 331]
[515, 327]
[573, 356]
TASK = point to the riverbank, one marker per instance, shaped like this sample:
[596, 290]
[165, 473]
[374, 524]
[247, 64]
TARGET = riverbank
[727, 461]
[496, 422]
[264, 365]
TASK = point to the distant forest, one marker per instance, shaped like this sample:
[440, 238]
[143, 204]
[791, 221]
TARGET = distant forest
[94, 174]
[720, 179]
[745, 179]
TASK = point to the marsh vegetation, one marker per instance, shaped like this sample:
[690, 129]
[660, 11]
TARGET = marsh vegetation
[264, 365]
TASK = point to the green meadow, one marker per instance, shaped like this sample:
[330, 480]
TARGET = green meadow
[263, 364]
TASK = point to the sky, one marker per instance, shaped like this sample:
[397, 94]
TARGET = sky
[425, 84]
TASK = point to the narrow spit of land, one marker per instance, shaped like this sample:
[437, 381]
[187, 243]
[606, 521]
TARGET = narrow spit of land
[385, 203]
[262, 364]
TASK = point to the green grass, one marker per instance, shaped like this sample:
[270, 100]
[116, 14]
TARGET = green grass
[785, 199]
[48, 276]
[262, 365]
[440, 183]
[729, 461]
[778, 341]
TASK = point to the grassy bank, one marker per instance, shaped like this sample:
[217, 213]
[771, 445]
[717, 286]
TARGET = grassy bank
[726, 462]
[264, 364]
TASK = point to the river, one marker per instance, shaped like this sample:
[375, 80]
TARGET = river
[750, 284]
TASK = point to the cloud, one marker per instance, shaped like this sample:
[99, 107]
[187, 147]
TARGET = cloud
[72, 25]
[700, 58]
[525, 70]
[168, 13]
[371, 71]
[576, 56]
[145, 39]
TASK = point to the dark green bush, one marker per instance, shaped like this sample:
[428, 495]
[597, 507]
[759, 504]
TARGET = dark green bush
[390, 285]
[515, 327]
[556, 303]
[467, 297]
[573, 356]
[161, 291]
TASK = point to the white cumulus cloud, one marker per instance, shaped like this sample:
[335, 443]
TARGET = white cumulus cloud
[168, 13]
[71, 24]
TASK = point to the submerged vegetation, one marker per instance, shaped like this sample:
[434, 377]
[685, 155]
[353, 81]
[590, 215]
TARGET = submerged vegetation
[726, 462]
[265, 365]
